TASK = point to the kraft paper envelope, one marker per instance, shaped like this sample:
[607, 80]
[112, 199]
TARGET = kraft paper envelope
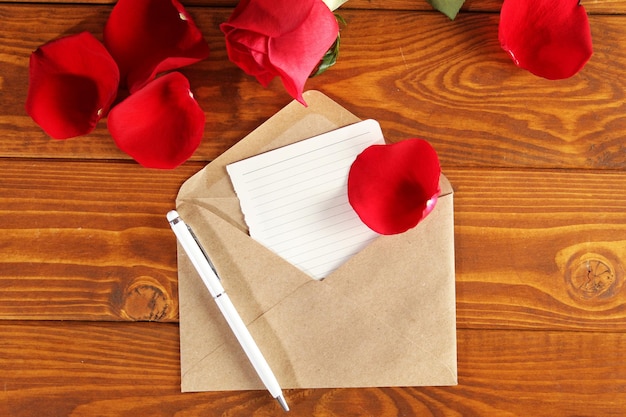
[384, 318]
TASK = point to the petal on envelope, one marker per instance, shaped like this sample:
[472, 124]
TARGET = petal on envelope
[549, 38]
[393, 187]
[147, 37]
[161, 125]
[73, 82]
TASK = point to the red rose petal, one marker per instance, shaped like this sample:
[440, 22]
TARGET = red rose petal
[72, 83]
[147, 37]
[268, 38]
[550, 38]
[161, 125]
[393, 187]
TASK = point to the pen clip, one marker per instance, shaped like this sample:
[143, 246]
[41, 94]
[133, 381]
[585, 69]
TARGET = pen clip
[193, 235]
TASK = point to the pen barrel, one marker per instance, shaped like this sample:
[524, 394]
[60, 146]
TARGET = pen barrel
[248, 344]
[197, 258]
[209, 276]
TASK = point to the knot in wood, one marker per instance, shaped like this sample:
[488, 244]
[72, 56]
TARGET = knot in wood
[146, 300]
[592, 277]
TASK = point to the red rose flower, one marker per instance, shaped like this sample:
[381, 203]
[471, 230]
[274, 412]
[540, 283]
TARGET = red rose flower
[550, 38]
[284, 38]
[73, 82]
[161, 125]
[393, 187]
[147, 37]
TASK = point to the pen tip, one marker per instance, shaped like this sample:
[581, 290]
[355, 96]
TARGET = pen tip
[282, 402]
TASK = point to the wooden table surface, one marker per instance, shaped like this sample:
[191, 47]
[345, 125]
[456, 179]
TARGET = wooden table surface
[88, 281]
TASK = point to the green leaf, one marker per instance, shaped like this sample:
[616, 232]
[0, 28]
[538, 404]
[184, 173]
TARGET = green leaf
[329, 59]
[448, 7]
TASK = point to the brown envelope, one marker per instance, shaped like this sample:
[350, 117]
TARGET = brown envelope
[384, 318]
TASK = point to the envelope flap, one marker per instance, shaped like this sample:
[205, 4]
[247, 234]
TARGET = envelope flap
[255, 279]
[291, 124]
[250, 273]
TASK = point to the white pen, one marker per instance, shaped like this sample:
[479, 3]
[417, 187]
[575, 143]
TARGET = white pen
[209, 276]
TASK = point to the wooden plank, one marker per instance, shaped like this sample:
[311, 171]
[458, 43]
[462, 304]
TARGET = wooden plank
[89, 241]
[129, 369]
[592, 6]
[540, 249]
[453, 86]
[448, 82]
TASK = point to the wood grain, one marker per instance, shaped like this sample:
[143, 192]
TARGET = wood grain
[89, 241]
[592, 6]
[540, 249]
[88, 282]
[448, 82]
[129, 369]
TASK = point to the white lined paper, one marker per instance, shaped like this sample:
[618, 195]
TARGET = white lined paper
[294, 199]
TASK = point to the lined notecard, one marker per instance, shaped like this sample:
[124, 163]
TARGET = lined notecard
[294, 199]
